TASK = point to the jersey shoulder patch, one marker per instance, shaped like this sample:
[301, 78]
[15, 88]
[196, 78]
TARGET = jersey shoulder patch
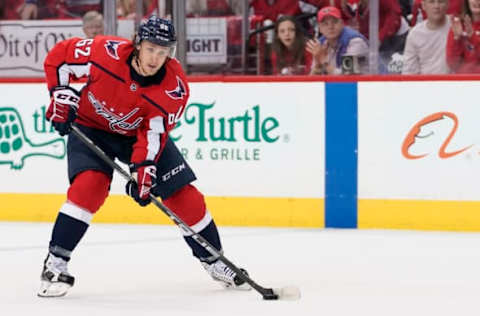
[179, 92]
[112, 48]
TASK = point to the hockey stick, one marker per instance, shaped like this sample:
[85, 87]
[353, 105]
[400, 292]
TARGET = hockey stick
[289, 292]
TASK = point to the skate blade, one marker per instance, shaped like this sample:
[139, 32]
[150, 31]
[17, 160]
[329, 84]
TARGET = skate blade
[53, 289]
[243, 287]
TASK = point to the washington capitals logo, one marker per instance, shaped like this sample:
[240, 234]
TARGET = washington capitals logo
[178, 92]
[112, 48]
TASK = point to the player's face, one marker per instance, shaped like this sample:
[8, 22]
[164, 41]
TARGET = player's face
[151, 57]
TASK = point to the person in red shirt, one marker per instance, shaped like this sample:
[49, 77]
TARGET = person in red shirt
[196, 8]
[392, 31]
[289, 56]
[9, 9]
[463, 42]
[272, 9]
[54, 9]
[356, 14]
[135, 94]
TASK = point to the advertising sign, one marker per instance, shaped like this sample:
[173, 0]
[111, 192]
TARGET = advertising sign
[242, 139]
[255, 139]
[419, 140]
[25, 44]
[32, 154]
[207, 40]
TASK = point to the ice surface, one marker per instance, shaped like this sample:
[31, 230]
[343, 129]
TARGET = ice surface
[148, 270]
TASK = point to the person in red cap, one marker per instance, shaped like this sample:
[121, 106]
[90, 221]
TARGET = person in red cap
[337, 40]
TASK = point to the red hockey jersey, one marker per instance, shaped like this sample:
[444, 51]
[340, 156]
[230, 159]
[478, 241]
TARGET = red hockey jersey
[112, 100]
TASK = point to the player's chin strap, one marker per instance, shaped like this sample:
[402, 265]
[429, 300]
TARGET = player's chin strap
[267, 293]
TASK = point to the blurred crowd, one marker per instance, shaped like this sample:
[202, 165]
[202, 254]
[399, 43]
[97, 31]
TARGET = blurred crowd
[320, 37]
[414, 37]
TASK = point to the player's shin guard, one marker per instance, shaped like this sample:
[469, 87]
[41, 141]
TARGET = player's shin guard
[67, 233]
[85, 196]
[188, 203]
[210, 233]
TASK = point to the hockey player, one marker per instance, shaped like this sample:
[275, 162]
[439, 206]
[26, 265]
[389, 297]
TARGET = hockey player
[135, 94]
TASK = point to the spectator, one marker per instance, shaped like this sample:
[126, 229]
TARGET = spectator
[418, 14]
[128, 8]
[92, 24]
[208, 8]
[237, 6]
[463, 43]
[48, 9]
[355, 14]
[37, 9]
[9, 10]
[393, 28]
[272, 9]
[425, 51]
[337, 40]
[288, 55]
[78, 8]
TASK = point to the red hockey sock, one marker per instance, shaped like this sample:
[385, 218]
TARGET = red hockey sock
[89, 190]
[188, 203]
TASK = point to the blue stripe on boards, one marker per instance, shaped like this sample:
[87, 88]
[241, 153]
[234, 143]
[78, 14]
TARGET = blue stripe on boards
[341, 143]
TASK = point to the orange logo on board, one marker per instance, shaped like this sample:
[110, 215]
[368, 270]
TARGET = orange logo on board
[417, 133]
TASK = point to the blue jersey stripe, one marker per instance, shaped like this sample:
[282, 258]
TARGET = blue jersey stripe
[341, 143]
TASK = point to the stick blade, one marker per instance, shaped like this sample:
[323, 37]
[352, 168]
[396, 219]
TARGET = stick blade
[288, 293]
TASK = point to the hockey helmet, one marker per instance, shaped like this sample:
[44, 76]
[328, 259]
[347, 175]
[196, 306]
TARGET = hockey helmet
[158, 31]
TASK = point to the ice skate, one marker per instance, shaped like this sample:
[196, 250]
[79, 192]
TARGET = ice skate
[226, 276]
[55, 279]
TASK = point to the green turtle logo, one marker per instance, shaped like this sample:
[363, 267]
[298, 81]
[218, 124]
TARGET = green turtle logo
[15, 147]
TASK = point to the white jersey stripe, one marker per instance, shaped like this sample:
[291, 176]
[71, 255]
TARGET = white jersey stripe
[72, 210]
[153, 137]
[66, 70]
[198, 227]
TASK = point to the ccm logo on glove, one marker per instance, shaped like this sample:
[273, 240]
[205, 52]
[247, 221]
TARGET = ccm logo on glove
[63, 108]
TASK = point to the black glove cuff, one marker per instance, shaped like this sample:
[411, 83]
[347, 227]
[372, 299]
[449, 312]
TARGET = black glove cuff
[131, 189]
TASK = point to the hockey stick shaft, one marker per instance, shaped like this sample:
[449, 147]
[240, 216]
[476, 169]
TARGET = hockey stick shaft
[267, 293]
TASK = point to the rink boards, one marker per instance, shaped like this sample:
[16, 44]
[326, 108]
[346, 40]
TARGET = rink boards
[249, 143]
[301, 153]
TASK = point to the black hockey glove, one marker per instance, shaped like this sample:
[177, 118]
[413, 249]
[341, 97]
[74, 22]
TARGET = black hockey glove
[145, 174]
[63, 108]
